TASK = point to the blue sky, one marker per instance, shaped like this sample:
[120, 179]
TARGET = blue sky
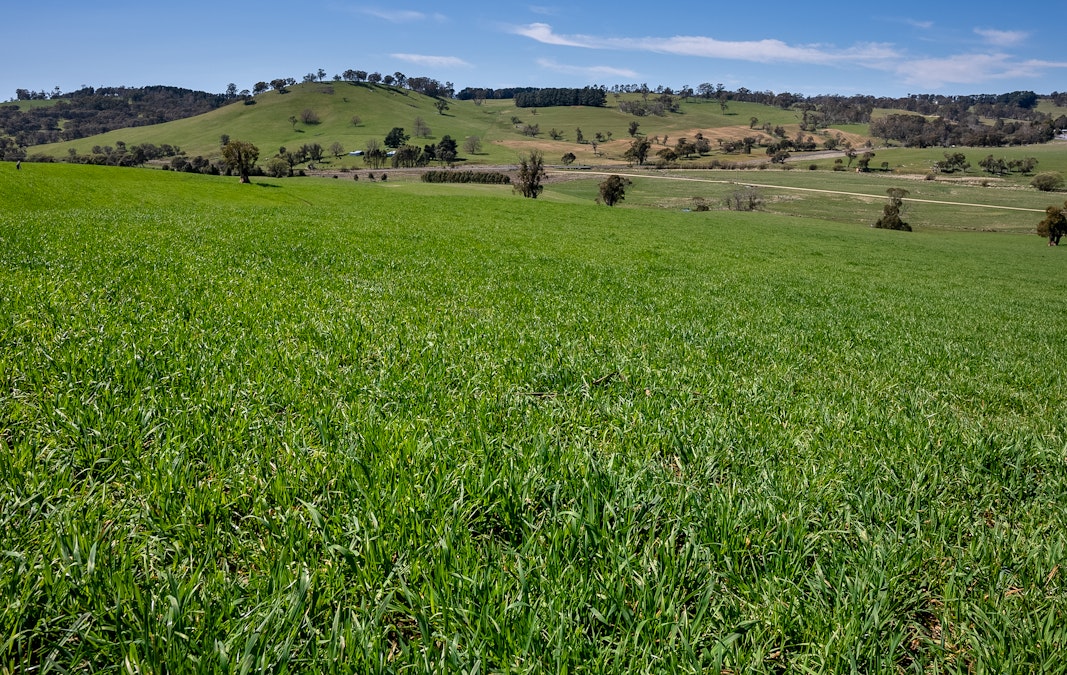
[881, 48]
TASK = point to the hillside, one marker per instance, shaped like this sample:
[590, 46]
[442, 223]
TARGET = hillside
[91, 111]
[380, 108]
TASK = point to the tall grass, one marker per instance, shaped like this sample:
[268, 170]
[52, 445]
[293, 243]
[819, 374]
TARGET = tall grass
[340, 427]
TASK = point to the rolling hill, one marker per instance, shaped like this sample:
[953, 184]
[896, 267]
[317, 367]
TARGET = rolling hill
[497, 123]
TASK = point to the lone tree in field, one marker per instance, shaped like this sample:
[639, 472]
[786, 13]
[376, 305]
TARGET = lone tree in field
[613, 190]
[472, 145]
[1054, 224]
[396, 137]
[638, 150]
[531, 173]
[240, 156]
[890, 219]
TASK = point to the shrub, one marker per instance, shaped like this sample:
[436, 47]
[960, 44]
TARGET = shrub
[1048, 181]
[277, 167]
[745, 199]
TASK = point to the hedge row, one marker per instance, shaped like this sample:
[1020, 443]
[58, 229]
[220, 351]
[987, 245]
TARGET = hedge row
[486, 177]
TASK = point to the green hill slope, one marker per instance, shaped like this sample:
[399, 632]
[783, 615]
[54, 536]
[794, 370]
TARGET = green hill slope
[498, 123]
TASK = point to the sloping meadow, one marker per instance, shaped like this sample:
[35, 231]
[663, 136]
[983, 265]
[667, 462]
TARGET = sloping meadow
[340, 426]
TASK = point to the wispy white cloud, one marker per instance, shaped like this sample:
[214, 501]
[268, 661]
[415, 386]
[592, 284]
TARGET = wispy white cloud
[542, 32]
[432, 61]
[399, 15]
[922, 25]
[760, 51]
[544, 10]
[591, 72]
[1002, 38]
[971, 69]
[927, 72]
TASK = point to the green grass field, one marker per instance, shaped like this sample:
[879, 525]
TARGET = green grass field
[845, 197]
[340, 426]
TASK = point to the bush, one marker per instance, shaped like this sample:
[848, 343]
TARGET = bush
[277, 167]
[1048, 181]
[745, 199]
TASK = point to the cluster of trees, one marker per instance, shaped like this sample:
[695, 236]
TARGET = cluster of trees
[479, 94]
[10, 151]
[543, 98]
[422, 85]
[953, 162]
[30, 95]
[285, 162]
[125, 155]
[88, 111]
[919, 131]
[198, 164]
[404, 155]
[999, 166]
[658, 106]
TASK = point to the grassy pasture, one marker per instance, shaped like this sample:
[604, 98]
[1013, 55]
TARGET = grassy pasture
[845, 197]
[919, 161]
[329, 426]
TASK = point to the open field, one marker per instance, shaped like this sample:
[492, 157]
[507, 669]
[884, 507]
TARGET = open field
[919, 161]
[845, 197]
[339, 426]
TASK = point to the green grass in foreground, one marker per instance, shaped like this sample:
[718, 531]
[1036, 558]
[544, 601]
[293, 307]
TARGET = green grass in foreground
[336, 426]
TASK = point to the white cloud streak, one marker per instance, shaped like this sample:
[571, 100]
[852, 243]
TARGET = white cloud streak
[591, 72]
[1002, 38]
[432, 61]
[970, 69]
[759, 51]
[931, 72]
[399, 15]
